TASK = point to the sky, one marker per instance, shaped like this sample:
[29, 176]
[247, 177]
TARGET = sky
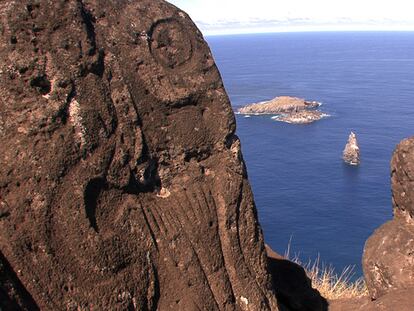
[215, 17]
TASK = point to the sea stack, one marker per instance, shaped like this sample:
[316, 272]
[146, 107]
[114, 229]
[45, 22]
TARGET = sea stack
[351, 151]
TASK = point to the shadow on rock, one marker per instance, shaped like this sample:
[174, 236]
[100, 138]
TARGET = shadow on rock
[13, 295]
[292, 286]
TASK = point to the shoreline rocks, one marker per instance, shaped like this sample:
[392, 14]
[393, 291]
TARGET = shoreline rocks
[287, 109]
[301, 117]
[350, 154]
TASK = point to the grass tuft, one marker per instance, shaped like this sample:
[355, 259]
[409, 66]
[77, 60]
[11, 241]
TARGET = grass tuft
[330, 284]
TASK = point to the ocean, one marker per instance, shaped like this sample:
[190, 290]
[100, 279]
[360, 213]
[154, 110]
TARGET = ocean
[304, 193]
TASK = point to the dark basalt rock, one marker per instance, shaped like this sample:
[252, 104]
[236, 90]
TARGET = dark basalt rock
[122, 184]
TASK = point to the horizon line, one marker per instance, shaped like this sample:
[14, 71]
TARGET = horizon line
[273, 31]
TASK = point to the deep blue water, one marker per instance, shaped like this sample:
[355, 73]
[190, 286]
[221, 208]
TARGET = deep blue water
[303, 190]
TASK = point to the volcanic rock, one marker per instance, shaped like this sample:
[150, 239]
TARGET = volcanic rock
[388, 259]
[351, 152]
[401, 300]
[281, 104]
[13, 295]
[122, 184]
[402, 180]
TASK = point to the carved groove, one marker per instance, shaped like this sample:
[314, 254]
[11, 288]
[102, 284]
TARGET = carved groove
[91, 196]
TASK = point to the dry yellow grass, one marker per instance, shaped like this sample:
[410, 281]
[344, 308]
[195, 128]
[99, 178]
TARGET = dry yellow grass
[329, 283]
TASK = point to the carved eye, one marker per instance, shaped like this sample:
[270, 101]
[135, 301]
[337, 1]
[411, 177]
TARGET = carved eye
[170, 46]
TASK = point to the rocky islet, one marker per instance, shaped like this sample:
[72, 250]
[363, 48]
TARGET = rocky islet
[351, 155]
[286, 109]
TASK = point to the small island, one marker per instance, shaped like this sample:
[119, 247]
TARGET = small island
[286, 109]
[350, 154]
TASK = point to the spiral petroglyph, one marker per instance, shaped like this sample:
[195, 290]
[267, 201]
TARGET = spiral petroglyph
[170, 45]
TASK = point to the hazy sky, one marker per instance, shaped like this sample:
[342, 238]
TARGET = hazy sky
[242, 16]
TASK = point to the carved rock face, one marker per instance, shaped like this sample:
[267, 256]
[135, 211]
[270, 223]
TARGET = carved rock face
[122, 184]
